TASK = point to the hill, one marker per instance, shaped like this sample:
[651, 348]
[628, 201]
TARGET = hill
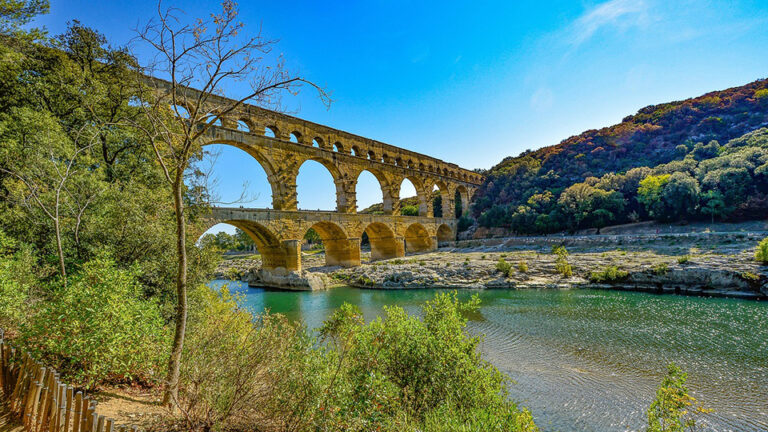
[595, 178]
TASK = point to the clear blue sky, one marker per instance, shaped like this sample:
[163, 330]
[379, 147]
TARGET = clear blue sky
[473, 82]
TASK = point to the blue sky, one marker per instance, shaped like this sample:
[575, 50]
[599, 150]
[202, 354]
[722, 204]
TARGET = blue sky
[473, 82]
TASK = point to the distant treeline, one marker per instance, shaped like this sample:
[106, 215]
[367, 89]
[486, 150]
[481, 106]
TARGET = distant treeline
[666, 163]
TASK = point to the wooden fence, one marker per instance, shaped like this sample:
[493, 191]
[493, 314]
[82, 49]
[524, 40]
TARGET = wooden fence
[35, 395]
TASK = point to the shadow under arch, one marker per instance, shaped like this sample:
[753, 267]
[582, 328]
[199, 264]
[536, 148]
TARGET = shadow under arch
[461, 200]
[340, 250]
[384, 243]
[417, 239]
[445, 234]
[273, 253]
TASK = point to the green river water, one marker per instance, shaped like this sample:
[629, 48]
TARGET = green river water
[589, 360]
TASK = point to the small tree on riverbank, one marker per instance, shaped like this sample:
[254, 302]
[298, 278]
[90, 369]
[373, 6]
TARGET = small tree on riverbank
[673, 409]
[209, 55]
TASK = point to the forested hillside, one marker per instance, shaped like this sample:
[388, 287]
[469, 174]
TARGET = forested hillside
[702, 158]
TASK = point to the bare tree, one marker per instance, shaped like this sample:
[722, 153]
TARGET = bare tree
[197, 62]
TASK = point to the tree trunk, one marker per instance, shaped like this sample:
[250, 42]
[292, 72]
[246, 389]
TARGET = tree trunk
[174, 363]
[60, 250]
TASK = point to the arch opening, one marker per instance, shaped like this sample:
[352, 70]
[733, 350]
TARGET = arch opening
[355, 151]
[317, 142]
[384, 244]
[461, 201]
[316, 187]
[272, 252]
[337, 147]
[270, 131]
[246, 179]
[417, 239]
[242, 126]
[437, 201]
[295, 137]
[369, 193]
[410, 201]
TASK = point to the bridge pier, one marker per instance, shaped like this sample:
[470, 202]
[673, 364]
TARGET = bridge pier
[342, 252]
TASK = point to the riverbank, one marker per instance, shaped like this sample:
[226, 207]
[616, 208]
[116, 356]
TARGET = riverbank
[716, 264]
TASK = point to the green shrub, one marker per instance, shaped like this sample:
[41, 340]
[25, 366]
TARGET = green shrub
[660, 269]
[683, 259]
[673, 409]
[406, 373]
[749, 276]
[17, 280]
[503, 267]
[522, 266]
[98, 327]
[561, 261]
[761, 253]
[608, 275]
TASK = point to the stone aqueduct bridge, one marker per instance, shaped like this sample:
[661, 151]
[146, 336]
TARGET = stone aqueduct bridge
[282, 143]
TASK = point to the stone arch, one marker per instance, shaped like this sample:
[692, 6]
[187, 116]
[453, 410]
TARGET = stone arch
[384, 184]
[338, 147]
[356, 151]
[277, 187]
[296, 137]
[384, 243]
[445, 209]
[317, 142]
[461, 197]
[421, 194]
[335, 177]
[417, 239]
[371, 155]
[274, 253]
[340, 250]
[271, 131]
[445, 234]
[243, 125]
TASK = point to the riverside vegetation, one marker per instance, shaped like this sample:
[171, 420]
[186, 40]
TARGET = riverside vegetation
[88, 286]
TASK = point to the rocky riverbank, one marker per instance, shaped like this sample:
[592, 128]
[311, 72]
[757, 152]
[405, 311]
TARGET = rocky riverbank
[685, 265]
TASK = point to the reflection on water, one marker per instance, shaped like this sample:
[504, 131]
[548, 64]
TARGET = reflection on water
[586, 360]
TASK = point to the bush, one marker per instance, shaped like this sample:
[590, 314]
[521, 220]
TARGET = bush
[561, 261]
[17, 280]
[243, 372]
[503, 267]
[522, 266]
[608, 275]
[684, 259]
[673, 409]
[464, 223]
[98, 327]
[406, 373]
[660, 269]
[761, 253]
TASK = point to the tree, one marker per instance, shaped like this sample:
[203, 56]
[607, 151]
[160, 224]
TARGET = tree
[680, 197]
[673, 409]
[713, 204]
[14, 14]
[649, 193]
[207, 55]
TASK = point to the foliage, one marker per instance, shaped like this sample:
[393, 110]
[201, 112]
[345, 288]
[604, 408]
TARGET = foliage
[660, 269]
[761, 252]
[684, 259]
[504, 267]
[676, 146]
[18, 276]
[464, 223]
[673, 409]
[608, 275]
[401, 369]
[522, 266]
[98, 327]
[561, 261]
[409, 210]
